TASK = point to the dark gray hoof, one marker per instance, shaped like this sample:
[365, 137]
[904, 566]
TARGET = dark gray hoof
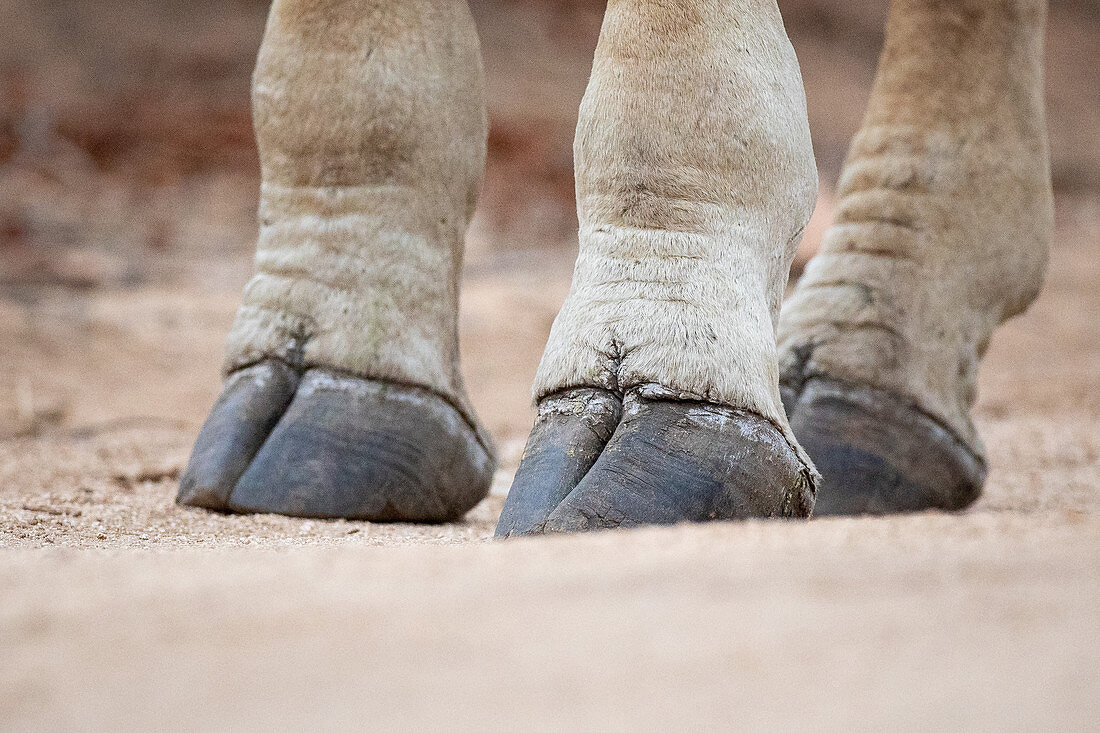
[878, 454]
[569, 434]
[358, 449]
[666, 461]
[250, 405]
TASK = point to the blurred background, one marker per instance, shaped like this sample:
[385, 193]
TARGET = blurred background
[129, 178]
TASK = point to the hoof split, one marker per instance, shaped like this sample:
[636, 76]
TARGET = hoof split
[330, 445]
[593, 462]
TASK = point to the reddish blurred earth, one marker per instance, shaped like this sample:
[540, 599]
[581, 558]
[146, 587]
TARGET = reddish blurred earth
[127, 188]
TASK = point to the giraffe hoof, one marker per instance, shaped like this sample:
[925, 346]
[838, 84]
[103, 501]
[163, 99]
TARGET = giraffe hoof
[663, 461]
[335, 446]
[570, 432]
[878, 454]
[250, 405]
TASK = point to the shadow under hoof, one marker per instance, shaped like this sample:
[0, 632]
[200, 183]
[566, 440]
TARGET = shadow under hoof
[665, 461]
[339, 447]
[878, 454]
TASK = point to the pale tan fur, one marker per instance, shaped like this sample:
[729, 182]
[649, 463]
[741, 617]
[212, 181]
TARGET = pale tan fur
[695, 177]
[371, 124]
[944, 211]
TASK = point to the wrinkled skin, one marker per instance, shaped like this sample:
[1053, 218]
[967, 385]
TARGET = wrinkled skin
[672, 387]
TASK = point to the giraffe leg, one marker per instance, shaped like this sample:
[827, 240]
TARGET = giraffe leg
[941, 234]
[658, 391]
[343, 395]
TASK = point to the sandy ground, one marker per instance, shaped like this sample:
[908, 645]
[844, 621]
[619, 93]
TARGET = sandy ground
[119, 610]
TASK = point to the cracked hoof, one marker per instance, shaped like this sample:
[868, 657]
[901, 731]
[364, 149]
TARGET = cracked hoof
[591, 464]
[877, 454]
[331, 445]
